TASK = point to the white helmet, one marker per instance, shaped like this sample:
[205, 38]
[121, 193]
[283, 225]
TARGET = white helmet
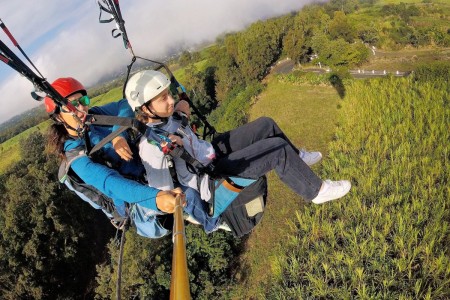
[144, 86]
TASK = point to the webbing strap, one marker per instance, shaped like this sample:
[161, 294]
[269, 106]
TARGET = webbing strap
[119, 261]
[107, 139]
[123, 122]
[13, 40]
[184, 155]
[126, 123]
[114, 120]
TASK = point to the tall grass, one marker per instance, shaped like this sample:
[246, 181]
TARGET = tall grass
[389, 238]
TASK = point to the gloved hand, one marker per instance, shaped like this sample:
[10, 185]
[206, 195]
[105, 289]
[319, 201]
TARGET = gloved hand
[121, 147]
[165, 200]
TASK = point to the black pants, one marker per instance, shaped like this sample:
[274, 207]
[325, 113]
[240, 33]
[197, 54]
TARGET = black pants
[257, 147]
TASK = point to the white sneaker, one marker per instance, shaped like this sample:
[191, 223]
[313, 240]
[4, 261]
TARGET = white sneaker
[224, 226]
[190, 219]
[332, 190]
[310, 158]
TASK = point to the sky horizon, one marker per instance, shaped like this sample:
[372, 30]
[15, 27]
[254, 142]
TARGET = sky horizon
[65, 38]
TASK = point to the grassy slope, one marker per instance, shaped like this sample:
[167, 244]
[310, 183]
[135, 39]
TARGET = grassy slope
[405, 60]
[307, 114]
[9, 150]
[389, 239]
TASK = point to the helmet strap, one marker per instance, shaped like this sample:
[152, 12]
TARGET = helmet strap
[154, 116]
[79, 131]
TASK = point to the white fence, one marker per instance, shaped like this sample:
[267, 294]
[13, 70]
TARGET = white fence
[363, 72]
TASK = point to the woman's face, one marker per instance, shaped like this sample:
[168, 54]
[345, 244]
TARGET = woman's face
[163, 104]
[69, 118]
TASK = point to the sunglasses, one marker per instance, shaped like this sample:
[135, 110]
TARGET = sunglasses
[83, 100]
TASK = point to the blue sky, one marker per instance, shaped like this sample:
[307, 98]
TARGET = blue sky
[64, 38]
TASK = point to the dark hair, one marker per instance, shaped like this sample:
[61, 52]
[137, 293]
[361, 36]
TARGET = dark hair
[141, 115]
[56, 137]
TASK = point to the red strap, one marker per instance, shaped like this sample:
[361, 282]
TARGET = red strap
[13, 40]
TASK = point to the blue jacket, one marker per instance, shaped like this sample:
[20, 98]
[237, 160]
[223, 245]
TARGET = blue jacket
[106, 180]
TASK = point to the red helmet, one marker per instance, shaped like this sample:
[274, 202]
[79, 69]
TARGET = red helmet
[65, 87]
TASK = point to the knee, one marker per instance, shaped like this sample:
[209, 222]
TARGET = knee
[268, 125]
[266, 120]
[280, 142]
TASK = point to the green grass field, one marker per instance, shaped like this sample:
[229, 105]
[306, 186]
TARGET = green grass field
[180, 73]
[388, 239]
[9, 150]
[404, 60]
[308, 115]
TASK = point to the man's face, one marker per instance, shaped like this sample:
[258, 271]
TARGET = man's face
[163, 104]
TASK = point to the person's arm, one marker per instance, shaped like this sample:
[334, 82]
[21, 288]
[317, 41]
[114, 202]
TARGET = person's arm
[183, 106]
[120, 109]
[114, 185]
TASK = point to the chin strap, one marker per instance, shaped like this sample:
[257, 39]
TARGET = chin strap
[156, 117]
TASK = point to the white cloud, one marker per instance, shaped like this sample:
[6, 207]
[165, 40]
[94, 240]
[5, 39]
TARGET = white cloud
[65, 38]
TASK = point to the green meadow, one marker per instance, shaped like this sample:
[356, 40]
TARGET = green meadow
[9, 150]
[308, 115]
[387, 239]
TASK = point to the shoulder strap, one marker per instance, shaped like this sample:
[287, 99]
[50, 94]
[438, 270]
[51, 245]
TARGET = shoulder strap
[71, 156]
[123, 122]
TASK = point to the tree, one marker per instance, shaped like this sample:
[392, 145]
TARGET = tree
[185, 58]
[201, 88]
[227, 75]
[45, 233]
[368, 34]
[340, 27]
[149, 262]
[297, 41]
[258, 47]
[345, 6]
[32, 149]
[339, 52]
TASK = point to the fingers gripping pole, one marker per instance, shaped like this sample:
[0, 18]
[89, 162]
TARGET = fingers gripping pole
[179, 285]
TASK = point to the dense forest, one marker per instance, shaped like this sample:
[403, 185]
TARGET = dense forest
[22, 122]
[55, 246]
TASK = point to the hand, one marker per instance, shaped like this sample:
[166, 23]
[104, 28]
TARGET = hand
[165, 200]
[176, 139]
[183, 106]
[121, 147]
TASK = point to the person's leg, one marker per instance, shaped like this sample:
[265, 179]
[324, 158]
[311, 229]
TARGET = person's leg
[273, 153]
[147, 222]
[198, 209]
[261, 128]
[248, 134]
